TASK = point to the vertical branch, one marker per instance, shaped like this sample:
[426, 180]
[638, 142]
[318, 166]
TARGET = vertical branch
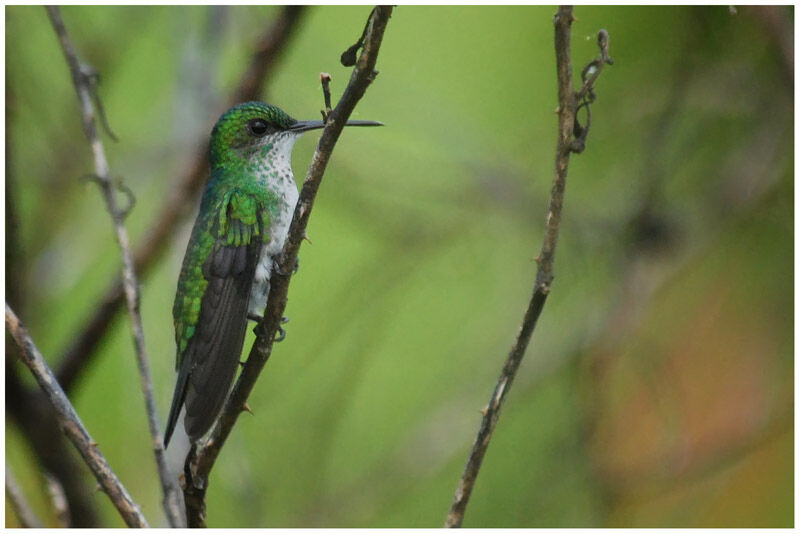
[571, 138]
[82, 79]
[200, 464]
[177, 205]
[71, 424]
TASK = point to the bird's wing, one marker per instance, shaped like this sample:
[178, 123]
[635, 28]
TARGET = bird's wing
[211, 317]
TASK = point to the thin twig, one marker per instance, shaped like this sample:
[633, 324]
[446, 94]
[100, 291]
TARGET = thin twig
[178, 204]
[325, 80]
[568, 101]
[71, 424]
[202, 463]
[82, 82]
[30, 409]
[27, 517]
[59, 499]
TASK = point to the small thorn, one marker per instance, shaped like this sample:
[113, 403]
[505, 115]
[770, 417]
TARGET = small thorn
[306, 238]
[93, 444]
[246, 408]
[538, 259]
[484, 410]
[97, 487]
[557, 110]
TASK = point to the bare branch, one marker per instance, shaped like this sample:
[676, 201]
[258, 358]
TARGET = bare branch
[178, 204]
[59, 499]
[31, 411]
[325, 80]
[71, 424]
[199, 465]
[25, 514]
[82, 77]
[568, 102]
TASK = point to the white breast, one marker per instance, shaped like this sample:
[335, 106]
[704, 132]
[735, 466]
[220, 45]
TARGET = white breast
[276, 174]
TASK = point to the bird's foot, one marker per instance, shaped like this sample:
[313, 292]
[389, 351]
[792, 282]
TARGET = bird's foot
[281, 335]
[277, 268]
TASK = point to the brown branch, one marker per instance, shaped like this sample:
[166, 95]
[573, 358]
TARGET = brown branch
[568, 102]
[200, 464]
[22, 509]
[71, 424]
[31, 411]
[82, 79]
[177, 205]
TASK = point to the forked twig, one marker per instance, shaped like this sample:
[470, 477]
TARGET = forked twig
[176, 206]
[102, 176]
[201, 463]
[568, 102]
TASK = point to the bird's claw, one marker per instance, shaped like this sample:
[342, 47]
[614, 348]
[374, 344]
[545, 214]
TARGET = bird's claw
[277, 268]
[281, 335]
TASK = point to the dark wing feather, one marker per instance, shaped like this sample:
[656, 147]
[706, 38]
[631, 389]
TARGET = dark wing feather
[212, 354]
[210, 357]
[216, 347]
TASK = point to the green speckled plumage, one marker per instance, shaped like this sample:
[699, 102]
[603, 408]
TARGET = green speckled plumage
[242, 198]
[231, 206]
[243, 221]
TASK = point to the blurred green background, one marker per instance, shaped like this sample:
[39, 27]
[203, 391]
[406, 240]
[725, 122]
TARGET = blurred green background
[658, 388]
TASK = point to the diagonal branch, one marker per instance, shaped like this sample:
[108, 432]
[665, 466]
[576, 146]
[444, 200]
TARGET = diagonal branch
[568, 138]
[27, 517]
[72, 425]
[202, 462]
[178, 204]
[81, 78]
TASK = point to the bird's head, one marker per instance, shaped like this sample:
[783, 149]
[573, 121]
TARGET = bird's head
[257, 130]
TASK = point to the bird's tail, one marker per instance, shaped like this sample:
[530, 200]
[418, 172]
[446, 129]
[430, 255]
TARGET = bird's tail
[177, 403]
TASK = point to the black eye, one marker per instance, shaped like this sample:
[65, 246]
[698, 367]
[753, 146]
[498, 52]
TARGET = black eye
[258, 127]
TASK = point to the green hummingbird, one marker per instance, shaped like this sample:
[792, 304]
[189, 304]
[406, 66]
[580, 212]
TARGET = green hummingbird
[244, 217]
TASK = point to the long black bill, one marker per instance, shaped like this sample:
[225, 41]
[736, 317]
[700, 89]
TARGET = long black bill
[304, 126]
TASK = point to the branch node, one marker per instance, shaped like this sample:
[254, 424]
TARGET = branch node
[325, 79]
[348, 57]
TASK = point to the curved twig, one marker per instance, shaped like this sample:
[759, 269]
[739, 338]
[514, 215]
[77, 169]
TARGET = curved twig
[568, 102]
[202, 463]
[72, 425]
[82, 79]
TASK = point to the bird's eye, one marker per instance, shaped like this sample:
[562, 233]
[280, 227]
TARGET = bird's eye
[258, 127]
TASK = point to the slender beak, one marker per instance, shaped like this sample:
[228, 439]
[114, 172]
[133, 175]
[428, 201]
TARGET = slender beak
[304, 126]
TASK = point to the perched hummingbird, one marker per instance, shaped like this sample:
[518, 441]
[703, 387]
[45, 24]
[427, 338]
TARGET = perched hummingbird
[242, 225]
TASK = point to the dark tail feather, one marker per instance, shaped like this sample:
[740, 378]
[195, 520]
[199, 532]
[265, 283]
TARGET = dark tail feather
[177, 404]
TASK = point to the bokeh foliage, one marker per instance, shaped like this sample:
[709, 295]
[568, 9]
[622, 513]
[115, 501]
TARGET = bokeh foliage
[657, 390]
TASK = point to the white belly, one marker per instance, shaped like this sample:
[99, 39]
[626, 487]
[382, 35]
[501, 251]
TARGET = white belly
[279, 227]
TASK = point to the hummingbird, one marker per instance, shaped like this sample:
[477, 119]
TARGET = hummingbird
[244, 217]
